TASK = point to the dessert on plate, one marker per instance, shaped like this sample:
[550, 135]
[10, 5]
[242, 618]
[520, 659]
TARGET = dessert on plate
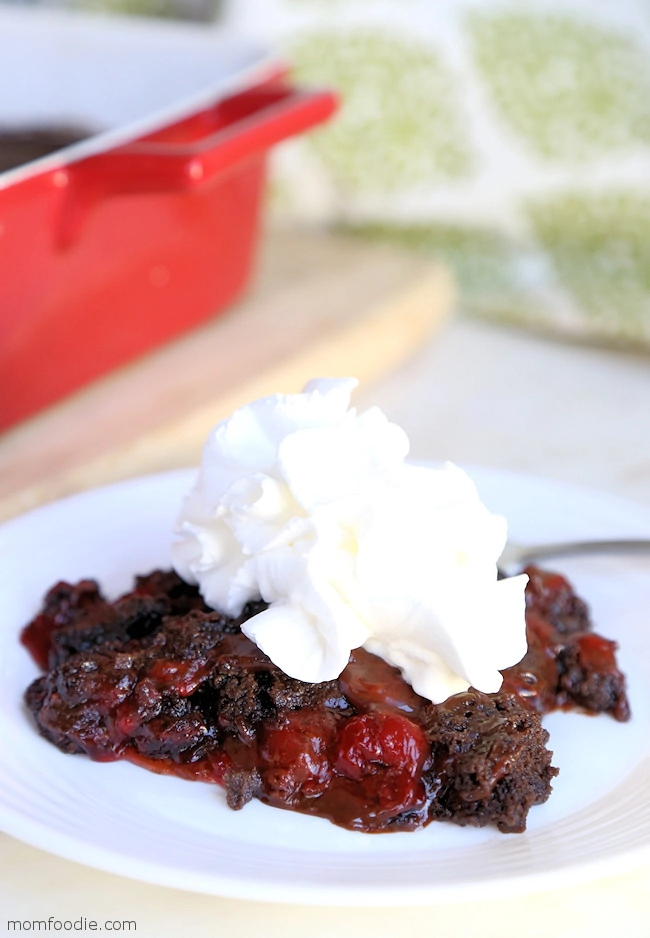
[335, 638]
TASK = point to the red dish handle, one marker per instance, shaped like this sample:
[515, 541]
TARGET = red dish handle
[247, 125]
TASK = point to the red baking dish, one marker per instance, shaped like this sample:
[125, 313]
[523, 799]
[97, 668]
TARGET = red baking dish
[108, 250]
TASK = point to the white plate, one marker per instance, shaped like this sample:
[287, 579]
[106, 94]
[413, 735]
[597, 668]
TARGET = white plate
[164, 830]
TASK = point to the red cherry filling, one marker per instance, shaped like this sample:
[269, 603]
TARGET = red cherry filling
[365, 775]
[379, 760]
[379, 741]
[295, 757]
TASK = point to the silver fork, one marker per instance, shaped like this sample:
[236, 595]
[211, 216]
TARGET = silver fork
[515, 556]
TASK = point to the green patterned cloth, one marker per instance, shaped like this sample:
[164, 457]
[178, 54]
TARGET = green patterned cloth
[510, 138]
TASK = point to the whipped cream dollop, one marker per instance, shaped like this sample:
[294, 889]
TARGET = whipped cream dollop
[309, 505]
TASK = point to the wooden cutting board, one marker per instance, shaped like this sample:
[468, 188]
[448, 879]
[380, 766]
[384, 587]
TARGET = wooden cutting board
[320, 305]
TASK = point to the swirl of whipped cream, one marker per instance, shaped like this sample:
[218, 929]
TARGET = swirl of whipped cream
[305, 503]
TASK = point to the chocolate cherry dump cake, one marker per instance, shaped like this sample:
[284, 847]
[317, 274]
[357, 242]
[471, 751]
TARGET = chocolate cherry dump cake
[335, 638]
[159, 679]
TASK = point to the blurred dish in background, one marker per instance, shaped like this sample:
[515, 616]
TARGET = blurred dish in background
[146, 227]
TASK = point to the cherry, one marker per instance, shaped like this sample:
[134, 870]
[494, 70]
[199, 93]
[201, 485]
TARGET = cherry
[384, 752]
[597, 654]
[378, 740]
[295, 756]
